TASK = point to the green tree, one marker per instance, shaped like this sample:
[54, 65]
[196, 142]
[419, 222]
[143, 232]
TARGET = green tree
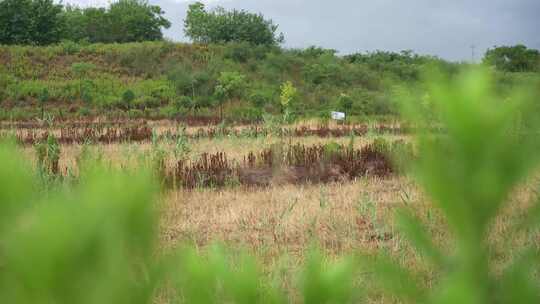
[287, 97]
[196, 23]
[345, 103]
[182, 78]
[122, 21]
[81, 70]
[90, 24]
[136, 20]
[37, 22]
[221, 26]
[128, 97]
[230, 85]
[517, 58]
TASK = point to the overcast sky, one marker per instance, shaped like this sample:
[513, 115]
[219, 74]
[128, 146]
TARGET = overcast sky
[444, 28]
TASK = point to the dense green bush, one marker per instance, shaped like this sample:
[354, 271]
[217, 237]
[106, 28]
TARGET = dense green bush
[366, 102]
[184, 102]
[181, 76]
[127, 98]
[262, 98]
[326, 70]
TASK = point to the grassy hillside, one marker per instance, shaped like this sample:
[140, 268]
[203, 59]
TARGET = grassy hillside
[171, 80]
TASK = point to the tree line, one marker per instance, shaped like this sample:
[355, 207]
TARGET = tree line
[44, 22]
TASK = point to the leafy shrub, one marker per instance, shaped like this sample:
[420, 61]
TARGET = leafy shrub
[239, 52]
[25, 90]
[84, 112]
[345, 102]
[184, 102]
[325, 70]
[82, 70]
[314, 52]
[230, 85]
[87, 92]
[70, 47]
[201, 102]
[182, 79]
[261, 98]
[127, 98]
[111, 102]
[48, 156]
[288, 97]
[371, 103]
[141, 59]
[361, 75]
[164, 93]
[277, 63]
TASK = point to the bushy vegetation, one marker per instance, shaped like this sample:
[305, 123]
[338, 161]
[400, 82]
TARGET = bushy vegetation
[236, 80]
[172, 80]
[517, 58]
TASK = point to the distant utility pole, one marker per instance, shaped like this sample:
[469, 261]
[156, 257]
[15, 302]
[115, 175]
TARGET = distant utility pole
[473, 48]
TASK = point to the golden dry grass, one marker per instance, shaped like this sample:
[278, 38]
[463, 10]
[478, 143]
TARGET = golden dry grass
[278, 224]
[340, 217]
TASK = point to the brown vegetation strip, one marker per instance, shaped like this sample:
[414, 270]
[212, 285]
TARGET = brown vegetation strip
[143, 132]
[192, 121]
[295, 164]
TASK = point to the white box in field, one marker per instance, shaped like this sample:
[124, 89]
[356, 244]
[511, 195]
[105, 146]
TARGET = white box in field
[337, 115]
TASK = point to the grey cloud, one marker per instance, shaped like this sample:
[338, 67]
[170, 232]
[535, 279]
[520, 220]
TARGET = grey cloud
[443, 28]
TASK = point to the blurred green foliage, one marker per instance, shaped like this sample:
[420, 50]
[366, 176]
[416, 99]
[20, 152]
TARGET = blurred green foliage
[487, 150]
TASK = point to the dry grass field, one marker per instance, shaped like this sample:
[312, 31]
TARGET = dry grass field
[280, 223]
